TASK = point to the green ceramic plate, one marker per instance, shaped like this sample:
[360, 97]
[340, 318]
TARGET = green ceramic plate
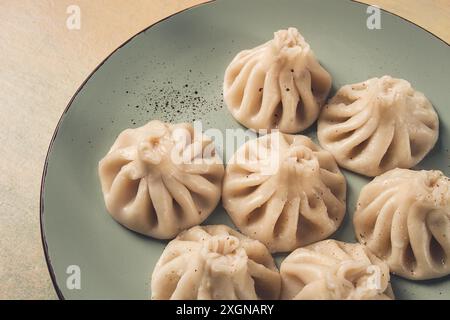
[173, 71]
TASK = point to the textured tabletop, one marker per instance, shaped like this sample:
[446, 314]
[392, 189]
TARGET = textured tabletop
[42, 63]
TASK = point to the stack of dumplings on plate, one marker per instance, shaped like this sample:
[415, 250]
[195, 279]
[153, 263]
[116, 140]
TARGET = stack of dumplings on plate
[284, 192]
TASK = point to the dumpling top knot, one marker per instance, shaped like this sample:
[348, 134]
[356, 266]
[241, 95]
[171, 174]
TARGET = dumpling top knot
[353, 280]
[437, 188]
[302, 157]
[391, 94]
[289, 41]
[389, 84]
[222, 244]
[156, 146]
[224, 254]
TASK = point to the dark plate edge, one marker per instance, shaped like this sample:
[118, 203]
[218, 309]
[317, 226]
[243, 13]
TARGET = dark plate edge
[44, 171]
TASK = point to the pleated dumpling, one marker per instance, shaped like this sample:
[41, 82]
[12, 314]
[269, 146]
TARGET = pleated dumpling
[334, 270]
[285, 191]
[403, 216]
[215, 263]
[279, 84]
[378, 125]
[160, 178]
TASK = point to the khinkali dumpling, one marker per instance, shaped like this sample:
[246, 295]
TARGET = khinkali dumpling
[160, 178]
[215, 263]
[378, 125]
[285, 191]
[403, 216]
[279, 84]
[334, 270]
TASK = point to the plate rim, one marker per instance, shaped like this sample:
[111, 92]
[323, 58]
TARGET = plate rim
[69, 104]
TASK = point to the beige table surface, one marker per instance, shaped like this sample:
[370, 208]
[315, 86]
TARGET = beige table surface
[42, 63]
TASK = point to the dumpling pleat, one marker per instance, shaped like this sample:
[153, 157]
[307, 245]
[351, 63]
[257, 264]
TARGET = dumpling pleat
[420, 239]
[123, 190]
[360, 130]
[289, 99]
[256, 199]
[162, 202]
[335, 132]
[381, 235]
[263, 279]
[320, 79]
[238, 183]
[309, 108]
[141, 203]
[270, 99]
[336, 208]
[341, 112]
[317, 216]
[333, 181]
[368, 218]
[378, 125]
[377, 145]
[251, 102]
[237, 89]
[276, 225]
[165, 278]
[200, 186]
[111, 166]
[188, 284]
[183, 197]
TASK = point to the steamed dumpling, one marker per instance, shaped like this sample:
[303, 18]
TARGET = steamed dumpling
[334, 270]
[284, 191]
[161, 178]
[403, 216]
[279, 84]
[377, 125]
[215, 263]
